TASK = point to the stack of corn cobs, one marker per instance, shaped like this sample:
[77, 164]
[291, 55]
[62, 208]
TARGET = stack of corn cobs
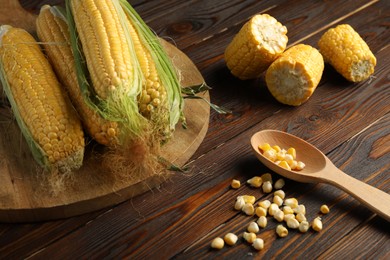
[102, 70]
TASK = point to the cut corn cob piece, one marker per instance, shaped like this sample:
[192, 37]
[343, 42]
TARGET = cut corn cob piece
[347, 52]
[44, 114]
[294, 76]
[52, 29]
[259, 42]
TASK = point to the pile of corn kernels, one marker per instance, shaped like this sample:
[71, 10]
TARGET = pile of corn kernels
[286, 211]
[284, 158]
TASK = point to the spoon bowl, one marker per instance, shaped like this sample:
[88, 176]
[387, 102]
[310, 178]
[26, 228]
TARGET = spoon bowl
[320, 169]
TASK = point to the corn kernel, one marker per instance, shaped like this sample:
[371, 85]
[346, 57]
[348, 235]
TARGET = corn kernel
[270, 154]
[253, 227]
[292, 152]
[240, 202]
[235, 184]
[300, 166]
[260, 211]
[281, 231]
[284, 165]
[317, 224]
[273, 209]
[277, 200]
[292, 202]
[248, 209]
[267, 187]
[279, 184]
[287, 216]
[262, 222]
[292, 223]
[288, 210]
[265, 147]
[279, 216]
[280, 193]
[249, 237]
[276, 148]
[304, 226]
[300, 209]
[267, 177]
[293, 164]
[264, 204]
[324, 209]
[217, 243]
[255, 182]
[300, 217]
[249, 199]
[258, 244]
[281, 155]
[230, 239]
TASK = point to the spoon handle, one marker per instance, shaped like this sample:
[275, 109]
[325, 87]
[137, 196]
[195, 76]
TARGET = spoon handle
[375, 199]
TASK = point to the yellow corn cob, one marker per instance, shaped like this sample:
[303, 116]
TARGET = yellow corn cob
[52, 29]
[46, 117]
[105, 47]
[294, 76]
[259, 42]
[347, 52]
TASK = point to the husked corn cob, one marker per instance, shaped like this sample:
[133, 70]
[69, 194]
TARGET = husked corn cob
[52, 29]
[105, 46]
[294, 76]
[45, 116]
[259, 42]
[347, 52]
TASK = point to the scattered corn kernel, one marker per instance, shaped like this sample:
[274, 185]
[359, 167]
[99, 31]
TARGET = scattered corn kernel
[255, 182]
[279, 184]
[230, 239]
[277, 200]
[281, 231]
[288, 210]
[287, 216]
[267, 187]
[240, 202]
[261, 212]
[292, 202]
[249, 237]
[258, 244]
[304, 226]
[300, 217]
[317, 224]
[292, 223]
[235, 184]
[279, 216]
[217, 243]
[248, 209]
[273, 208]
[253, 227]
[267, 177]
[300, 209]
[262, 222]
[324, 209]
[249, 199]
[280, 193]
[264, 204]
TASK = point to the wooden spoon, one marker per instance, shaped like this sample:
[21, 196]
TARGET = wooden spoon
[320, 169]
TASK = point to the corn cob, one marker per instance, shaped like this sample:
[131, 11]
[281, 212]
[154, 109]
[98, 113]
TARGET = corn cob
[45, 116]
[52, 29]
[294, 76]
[259, 42]
[347, 52]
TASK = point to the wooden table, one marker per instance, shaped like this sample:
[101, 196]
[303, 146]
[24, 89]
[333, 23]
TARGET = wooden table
[349, 122]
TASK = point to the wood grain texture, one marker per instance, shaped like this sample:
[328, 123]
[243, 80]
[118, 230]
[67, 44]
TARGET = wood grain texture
[349, 122]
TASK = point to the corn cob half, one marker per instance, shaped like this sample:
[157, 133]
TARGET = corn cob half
[293, 77]
[259, 42]
[44, 114]
[347, 52]
[53, 31]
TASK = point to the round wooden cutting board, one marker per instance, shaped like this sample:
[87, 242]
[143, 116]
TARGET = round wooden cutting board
[24, 196]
